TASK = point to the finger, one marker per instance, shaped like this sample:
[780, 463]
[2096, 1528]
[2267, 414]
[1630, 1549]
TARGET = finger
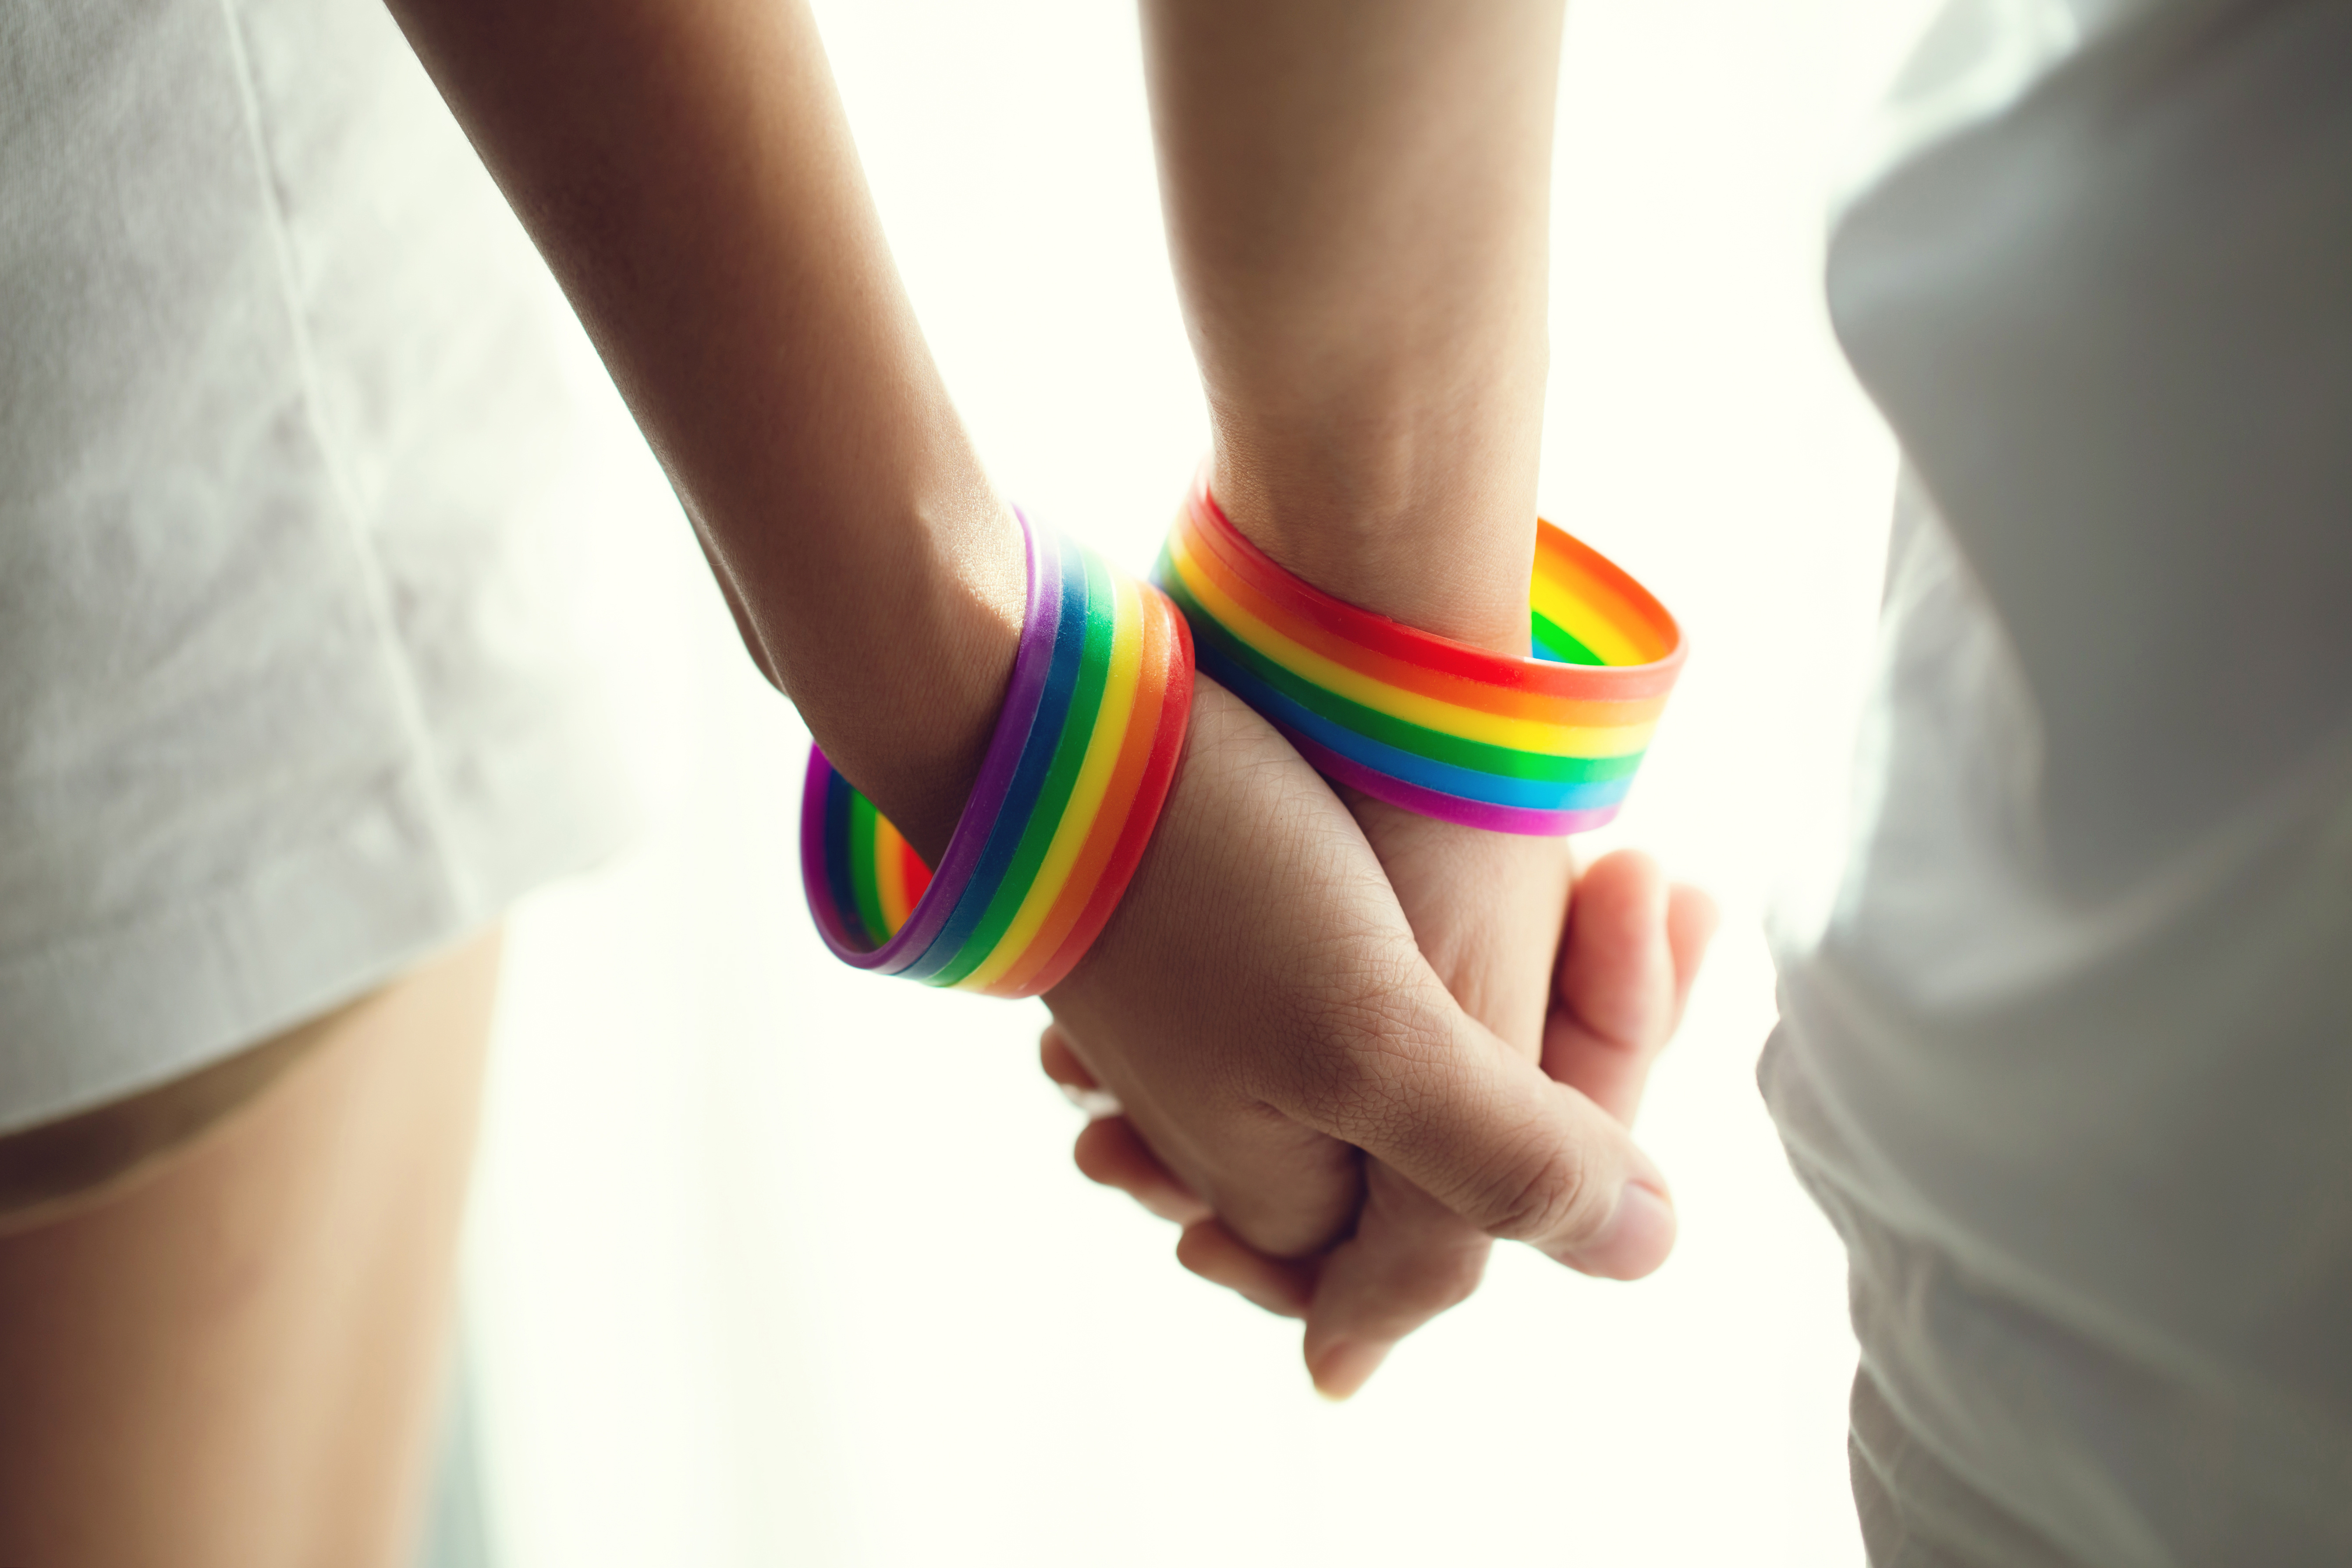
[1616, 972]
[1109, 1152]
[1631, 953]
[1060, 1059]
[1692, 920]
[1280, 1188]
[1615, 999]
[1282, 1287]
[1410, 1258]
[1461, 1115]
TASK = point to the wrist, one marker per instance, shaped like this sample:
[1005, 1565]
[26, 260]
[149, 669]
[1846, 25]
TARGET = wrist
[1438, 544]
[1080, 755]
[1543, 742]
[899, 655]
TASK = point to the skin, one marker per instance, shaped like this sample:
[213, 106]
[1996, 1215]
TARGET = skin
[233, 1355]
[1632, 951]
[684, 167]
[1357, 195]
[1332, 1029]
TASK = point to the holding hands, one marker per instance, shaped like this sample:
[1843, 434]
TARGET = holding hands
[1357, 201]
[1349, 1044]
[1464, 1137]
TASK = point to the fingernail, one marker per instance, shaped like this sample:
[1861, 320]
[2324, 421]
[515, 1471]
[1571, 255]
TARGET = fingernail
[1344, 1367]
[1635, 1239]
[1096, 1103]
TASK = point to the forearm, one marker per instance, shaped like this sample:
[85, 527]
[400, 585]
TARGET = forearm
[685, 167]
[1358, 198]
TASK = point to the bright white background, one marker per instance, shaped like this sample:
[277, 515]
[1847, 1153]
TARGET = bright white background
[775, 1263]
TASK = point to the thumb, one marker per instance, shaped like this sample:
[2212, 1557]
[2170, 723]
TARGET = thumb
[1480, 1128]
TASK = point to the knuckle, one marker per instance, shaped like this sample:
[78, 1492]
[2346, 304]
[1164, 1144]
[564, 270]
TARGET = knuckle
[1540, 1191]
[1353, 1052]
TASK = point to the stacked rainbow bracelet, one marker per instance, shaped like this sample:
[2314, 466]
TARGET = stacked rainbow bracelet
[1547, 745]
[1067, 795]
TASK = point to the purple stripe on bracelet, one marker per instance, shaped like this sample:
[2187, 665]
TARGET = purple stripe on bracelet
[819, 776]
[1031, 663]
[1445, 807]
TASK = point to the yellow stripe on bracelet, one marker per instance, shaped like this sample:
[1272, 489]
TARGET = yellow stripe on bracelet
[1547, 745]
[1103, 748]
[1074, 776]
[1224, 602]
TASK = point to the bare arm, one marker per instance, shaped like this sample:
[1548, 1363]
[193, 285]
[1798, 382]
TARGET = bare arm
[1357, 194]
[1256, 1001]
[685, 168]
[1358, 198]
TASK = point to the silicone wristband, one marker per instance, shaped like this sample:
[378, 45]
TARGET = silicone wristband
[1547, 745]
[1067, 795]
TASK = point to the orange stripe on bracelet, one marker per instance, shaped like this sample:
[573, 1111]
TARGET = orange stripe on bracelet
[1545, 745]
[1071, 784]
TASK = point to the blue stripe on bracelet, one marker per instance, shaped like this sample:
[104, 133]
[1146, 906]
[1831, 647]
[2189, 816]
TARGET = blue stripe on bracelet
[1029, 776]
[1537, 794]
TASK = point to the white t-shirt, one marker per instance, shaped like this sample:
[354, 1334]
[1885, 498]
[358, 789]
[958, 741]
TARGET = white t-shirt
[283, 703]
[2066, 1055]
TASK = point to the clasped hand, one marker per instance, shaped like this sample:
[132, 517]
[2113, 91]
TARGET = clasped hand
[1349, 1046]
[1345, 1053]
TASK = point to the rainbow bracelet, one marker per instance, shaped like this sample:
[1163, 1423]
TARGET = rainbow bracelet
[1547, 745]
[1067, 795]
